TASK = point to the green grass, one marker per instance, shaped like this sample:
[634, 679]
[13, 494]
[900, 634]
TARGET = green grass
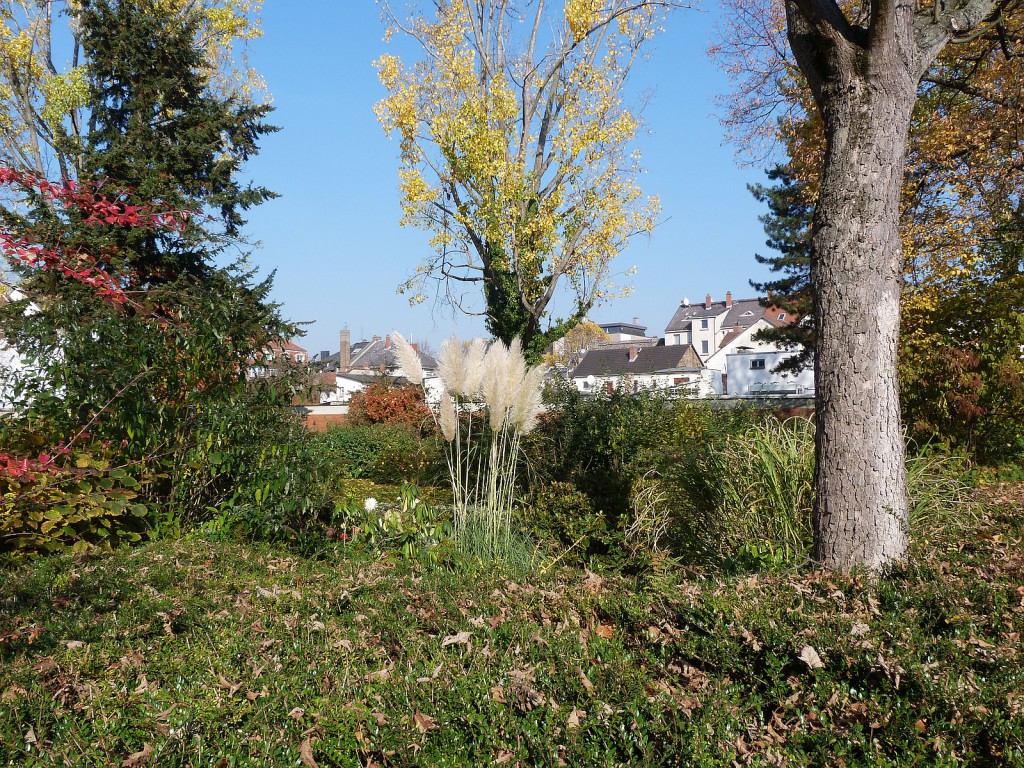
[218, 654]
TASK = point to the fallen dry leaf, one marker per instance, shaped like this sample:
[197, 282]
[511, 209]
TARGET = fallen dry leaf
[504, 756]
[810, 657]
[498, 694]
[593, 582]
[30, 736]
[574, 718]
[604, 630]
[859, 629]
[306, 754]
[589, 686]
[74, 645]
[45, 664]
[423, 722]
[296, 713]
[231, 688]
[138, 758]
[462, 638]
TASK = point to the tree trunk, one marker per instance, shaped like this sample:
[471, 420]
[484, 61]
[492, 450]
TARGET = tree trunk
[861, 509]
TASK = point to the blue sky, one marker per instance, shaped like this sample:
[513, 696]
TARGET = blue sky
[333, 235]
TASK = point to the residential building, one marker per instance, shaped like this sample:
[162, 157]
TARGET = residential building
[277, 356]
[356, 366]
[645, 366]
[708, 349]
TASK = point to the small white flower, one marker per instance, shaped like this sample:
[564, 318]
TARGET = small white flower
[370, 504]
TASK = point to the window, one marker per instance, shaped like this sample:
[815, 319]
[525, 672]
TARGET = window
[704, 347]
[757, 364]
[679, 338]
[782, 315]
[704, 324]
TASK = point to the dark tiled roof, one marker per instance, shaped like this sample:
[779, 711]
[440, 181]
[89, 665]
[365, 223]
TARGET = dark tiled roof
[743, 313]
[685, 315]
[373, 354]
[614, 361]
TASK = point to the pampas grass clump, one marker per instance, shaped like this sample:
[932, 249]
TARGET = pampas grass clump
[482, 462]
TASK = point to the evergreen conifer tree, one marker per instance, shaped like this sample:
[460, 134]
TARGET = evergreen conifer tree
[788, 227]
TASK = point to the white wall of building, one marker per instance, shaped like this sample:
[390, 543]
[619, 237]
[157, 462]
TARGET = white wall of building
[750, 374]
[704, 383]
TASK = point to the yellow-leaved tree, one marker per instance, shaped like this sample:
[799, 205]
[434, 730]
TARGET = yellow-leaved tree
[44, 89]
[515, 151]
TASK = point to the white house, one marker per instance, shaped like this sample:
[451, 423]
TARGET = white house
[704, 351]
[751, 373]
[645, 366]
[12, 364]
[359, 365]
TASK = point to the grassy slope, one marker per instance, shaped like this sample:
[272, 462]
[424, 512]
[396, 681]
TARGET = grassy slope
[206, 653]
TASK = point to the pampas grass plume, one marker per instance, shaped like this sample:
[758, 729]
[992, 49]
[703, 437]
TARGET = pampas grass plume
[451, 365]
[528, 402]
[473, 353]
[496, 387]
[447, 417]
[409, 359]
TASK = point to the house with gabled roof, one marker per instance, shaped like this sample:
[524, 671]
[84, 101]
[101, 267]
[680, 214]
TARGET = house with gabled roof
[708, 349]
[355, 366]
[638, 366]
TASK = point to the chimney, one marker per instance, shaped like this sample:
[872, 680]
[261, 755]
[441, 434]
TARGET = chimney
[707, 302]
[387, 341]
[415, 347]
[345, 351]
[636, 321]
[728, 299]
[633, 352]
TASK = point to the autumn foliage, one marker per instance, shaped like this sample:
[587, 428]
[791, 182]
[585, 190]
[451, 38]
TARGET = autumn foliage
[388, 403]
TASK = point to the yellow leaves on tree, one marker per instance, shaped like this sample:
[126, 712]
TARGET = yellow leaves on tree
[965, 159]
[568, 350]
[514, 147]
[42, 105]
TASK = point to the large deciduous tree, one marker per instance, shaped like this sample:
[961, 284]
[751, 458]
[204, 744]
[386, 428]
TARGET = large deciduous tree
[863, 70]
[515, 151]
[960, 225]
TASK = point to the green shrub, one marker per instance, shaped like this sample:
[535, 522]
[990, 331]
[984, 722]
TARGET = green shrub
[559, 513]
[254, 471]
[751, 502]
[408, 525]
[383, 453]
[80, 502]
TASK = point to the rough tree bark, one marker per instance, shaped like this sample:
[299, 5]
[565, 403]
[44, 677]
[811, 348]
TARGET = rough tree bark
[864, 75]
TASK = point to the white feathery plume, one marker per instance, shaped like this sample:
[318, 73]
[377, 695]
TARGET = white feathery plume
[495, 386]
[474, 352]
[408, 359]
[516, 366]
[451, 365]
[446, 417]
[528, 403]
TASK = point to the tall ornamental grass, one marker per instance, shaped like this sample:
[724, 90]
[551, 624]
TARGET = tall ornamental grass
[756, 493]
[490, 399]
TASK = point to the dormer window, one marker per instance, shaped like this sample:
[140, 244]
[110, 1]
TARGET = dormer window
[782, 315]
[748, 313]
